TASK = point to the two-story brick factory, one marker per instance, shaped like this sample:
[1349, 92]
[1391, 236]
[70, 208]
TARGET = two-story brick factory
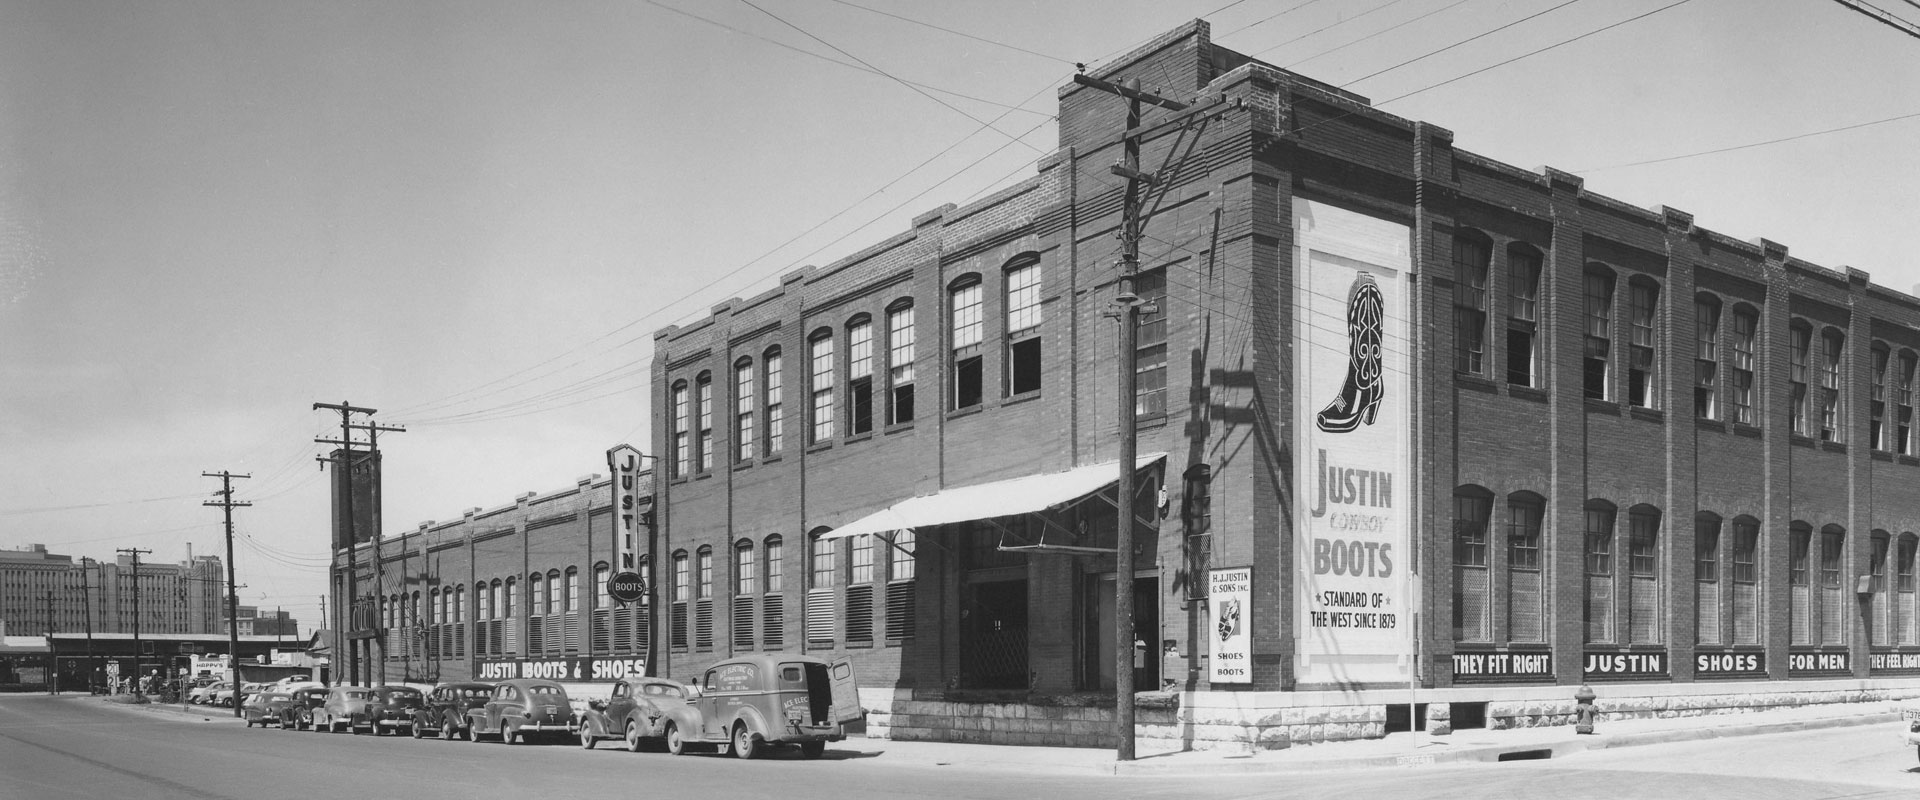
[1420, 434]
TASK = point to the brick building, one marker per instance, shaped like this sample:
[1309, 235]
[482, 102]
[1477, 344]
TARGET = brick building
[178, 597]
[1440, 431]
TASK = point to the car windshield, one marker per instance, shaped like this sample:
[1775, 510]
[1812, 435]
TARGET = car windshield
[662, 690]
[356, 695]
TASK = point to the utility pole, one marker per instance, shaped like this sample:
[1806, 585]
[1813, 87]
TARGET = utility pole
[344, 466]
[51, 666]
[86, 609]
[227, 504]
[135, 552]
[373, 430]
[1128, 313]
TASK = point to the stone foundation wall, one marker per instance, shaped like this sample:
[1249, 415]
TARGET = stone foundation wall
[1277, 720]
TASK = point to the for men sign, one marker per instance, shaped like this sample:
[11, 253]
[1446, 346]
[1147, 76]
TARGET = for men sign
[1353, 412]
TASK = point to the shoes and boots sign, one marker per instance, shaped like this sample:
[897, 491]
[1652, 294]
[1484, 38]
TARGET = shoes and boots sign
[1353, 474]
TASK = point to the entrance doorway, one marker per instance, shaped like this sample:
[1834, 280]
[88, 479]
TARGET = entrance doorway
[1098, 635]
[993, 635]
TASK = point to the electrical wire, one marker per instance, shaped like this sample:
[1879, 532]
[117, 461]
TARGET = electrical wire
[1749, 145]
[1334, 24]
[983, 40]
[1448, 7]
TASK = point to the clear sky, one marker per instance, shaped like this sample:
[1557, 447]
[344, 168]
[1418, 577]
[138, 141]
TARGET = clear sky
[472, 215]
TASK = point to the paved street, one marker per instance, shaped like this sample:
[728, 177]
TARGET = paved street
[79, 747]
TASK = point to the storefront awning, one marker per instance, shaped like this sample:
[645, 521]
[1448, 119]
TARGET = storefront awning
[1026, 495]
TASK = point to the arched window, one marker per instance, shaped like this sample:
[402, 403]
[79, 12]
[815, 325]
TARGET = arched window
[556, 599]
[820, 594]
[460, 603]
[1903, 405]
[1599, 568]
[820, 368]
[1526, 598]
[1877, 433]
[776, 569]
[682, 592]
[573, 590]
[746, 584]
[1800, 374]
[1523, 316]
[860, 374]
[1471, 254]
[901, 602]
[1799, 583]
[900, 355]
[967, 315]
[537, 595]
[1597, 361]
[1023, 324]
[744, 434]
[433, 607]
[1643, 564]
[1905, 631]
[1833, 605]
[1880, 623]
[703, 409]
[1706, 578]
[508, 599]
[776, 408]
[601, 572]
[1472, 593]
[682, 452]
[1706, 356]
[703, 572]
[773, 604]
[1746, 321]
[1746, 580]
[1833, 345]
[1643, 388]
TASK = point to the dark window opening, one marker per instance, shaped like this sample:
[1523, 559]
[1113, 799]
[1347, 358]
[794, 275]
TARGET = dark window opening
[862, 401]
[1024, 366]
[903, 403]
[1520, 355]
[966, 382]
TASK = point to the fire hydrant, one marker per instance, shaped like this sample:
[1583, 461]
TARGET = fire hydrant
[1583, 710]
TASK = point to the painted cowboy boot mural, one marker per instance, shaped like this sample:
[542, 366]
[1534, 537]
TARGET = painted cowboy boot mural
[1359, 399]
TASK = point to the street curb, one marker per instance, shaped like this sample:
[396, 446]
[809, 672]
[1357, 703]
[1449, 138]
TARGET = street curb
[1492, 753]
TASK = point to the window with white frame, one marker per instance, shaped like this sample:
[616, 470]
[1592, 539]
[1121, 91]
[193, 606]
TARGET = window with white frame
[1599, 571]
[1740, 367]
[1472, 587]
[682, 453]
[1523, 317]
[1644, 356]
[1833, 346]
[1470, 256]
[1023, 328]
[1877, 433]
[1150, 344]
[744, 432]
[703, 392]
[900, 339]
[776, 410]
[820, 362]
[1599, 342]
[1706, 357]
[860, 376]
[969, 328]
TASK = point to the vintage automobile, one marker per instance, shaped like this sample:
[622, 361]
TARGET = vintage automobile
[224, 697]
[298, 714]
[265, 708]
[202, 694]
[445, 708]
[635, 713]
[768, 699]
[1909, 711]
[344, 708]
[393, 708]
[522, 708]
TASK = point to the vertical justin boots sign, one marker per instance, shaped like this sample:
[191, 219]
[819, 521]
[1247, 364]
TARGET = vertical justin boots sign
[1353, 477]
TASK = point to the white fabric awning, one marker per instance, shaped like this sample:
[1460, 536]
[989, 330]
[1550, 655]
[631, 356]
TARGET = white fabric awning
[997, 499]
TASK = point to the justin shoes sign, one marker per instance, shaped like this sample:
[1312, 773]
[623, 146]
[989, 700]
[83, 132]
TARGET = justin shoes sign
[1353, 414]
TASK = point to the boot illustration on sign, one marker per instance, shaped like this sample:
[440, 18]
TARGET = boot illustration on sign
[1359, 399]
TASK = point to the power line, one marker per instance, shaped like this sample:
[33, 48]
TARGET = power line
[1483, 35]
[14, 512]
[916, 89]
[1334, 24]
[1749, 145]
[1884, 16]
[954, 32]
[1375, 34]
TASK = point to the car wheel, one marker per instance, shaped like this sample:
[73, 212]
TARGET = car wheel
[633, 736]
[812, 749]
[507, 734]
[419, 730]
[249, 723]
[587, 739]
[473, 733]
[675, 744]
[746, 743]
[447, 730]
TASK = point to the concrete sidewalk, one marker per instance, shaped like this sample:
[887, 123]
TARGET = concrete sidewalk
[1396, 750]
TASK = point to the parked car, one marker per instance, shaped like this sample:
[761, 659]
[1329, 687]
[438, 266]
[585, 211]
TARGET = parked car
[298, 713]
[522, 708]
[203, 693]
[751, 702]
[393, 708]
[636, 713]
[344, 708]
[444, 710]
[265, 708]
[225, 699]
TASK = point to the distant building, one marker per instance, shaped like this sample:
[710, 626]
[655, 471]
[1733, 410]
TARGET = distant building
[254, 622]
[38, 589]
